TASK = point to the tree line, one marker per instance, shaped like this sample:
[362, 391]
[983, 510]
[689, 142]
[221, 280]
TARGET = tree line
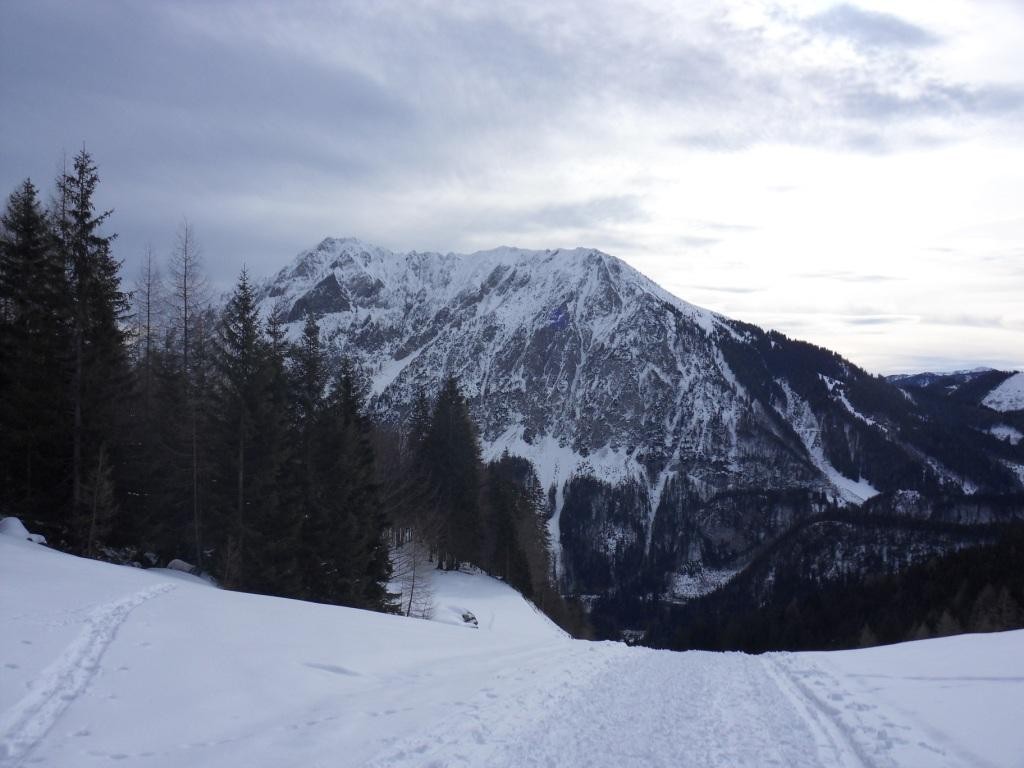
[978, 589]
[150, 424]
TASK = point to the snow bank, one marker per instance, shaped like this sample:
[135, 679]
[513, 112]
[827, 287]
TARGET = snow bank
[13, 527]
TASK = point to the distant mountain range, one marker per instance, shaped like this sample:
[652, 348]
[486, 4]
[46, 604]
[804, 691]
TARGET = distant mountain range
[676, 444]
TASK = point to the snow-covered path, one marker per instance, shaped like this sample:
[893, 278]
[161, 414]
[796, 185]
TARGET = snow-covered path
[100, 664]
[635, 707]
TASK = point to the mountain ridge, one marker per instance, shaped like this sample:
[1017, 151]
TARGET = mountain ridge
[691, 425]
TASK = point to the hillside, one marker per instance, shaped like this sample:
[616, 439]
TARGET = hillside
[104, 662]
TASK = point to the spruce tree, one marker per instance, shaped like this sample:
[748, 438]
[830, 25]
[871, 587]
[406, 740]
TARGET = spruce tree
[34, 322]
[352, 550]
[241, 393]
[307, 377]
[99, 368]
[451, 455]
[276, 523]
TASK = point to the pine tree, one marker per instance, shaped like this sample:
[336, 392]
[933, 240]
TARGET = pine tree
[504, 506]
[34, 322]
[241, 395]
[451, 455]
[275, 522]
[307, 378]
[99, 359]
[352, 548]
[419, 422]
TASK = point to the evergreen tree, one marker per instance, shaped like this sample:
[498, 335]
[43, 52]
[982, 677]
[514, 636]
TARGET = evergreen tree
[352, 547]
[451, 456]
[505, 505]
[241, 397]
[34, 321]
[419, 422]
[99, 367]
[276, 523]
[307, 377]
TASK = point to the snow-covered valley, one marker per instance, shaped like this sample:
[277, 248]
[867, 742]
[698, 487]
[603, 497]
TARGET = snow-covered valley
[104, 663]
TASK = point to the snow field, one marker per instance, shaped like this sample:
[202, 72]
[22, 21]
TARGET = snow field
[1008, 396]
[102, 663]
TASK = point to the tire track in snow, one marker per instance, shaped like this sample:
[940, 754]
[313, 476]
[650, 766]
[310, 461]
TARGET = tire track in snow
[27, 722]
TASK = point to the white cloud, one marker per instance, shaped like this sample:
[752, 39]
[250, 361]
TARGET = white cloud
[738, 155]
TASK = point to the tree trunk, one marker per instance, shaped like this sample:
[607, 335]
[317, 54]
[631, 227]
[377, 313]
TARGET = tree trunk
[195, 491]
[241, 496]
[76, 450]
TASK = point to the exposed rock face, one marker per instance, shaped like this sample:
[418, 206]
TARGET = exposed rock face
[672, 439]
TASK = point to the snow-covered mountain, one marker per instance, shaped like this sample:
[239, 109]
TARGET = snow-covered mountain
[673, 440]
[103, 664]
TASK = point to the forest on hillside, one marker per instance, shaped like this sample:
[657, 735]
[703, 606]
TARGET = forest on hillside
[976, 589]
[146, 423]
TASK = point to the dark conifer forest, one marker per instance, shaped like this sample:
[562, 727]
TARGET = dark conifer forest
[145, 423]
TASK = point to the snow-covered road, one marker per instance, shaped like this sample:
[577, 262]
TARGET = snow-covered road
[101, 664]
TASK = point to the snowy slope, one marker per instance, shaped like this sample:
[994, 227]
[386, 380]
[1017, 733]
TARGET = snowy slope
[1008, 396]
[103, 663]
[496, 606]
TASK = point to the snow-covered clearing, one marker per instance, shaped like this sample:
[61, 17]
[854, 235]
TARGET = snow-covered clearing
[102, 663]
[1008, 396]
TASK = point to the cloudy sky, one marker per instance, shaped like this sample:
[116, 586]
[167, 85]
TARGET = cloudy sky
[850, 174]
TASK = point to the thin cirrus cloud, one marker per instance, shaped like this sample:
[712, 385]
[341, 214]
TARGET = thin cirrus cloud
[742, 140]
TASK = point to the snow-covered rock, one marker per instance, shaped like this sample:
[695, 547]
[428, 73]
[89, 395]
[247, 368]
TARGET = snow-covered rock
[12, 526]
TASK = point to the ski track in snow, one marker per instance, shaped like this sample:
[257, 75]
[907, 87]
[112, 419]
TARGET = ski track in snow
[26, 723]
[874, 736]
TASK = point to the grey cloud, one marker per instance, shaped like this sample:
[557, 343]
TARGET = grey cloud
[877, 319]
[270, 126]
[725, 289]
[721, 226]
[588, 213]
[847, 276]
[717, 141]
[696, 241]
[870, 28]
[869, 101]
[971, 320]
